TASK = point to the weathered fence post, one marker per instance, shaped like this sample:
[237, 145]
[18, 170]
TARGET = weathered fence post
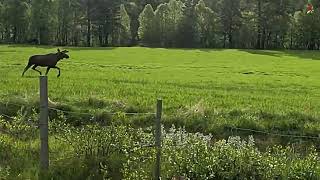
[158, 138]
[43, 122]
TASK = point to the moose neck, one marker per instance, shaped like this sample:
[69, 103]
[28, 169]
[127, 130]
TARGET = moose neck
[59, 57]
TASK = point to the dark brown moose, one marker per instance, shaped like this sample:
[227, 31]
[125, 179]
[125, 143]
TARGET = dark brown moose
[48, 60]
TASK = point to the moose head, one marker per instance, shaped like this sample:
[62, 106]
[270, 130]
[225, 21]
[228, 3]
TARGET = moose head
[62, 54]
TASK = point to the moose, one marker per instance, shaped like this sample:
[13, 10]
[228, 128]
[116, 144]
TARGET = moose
[48, 60]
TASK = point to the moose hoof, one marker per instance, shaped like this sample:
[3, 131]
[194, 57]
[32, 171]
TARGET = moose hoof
[58, 75]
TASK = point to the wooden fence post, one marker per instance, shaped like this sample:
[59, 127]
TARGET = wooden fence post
[43, 122]
[158, 139]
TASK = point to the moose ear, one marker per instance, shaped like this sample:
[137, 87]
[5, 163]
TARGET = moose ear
[58, 50]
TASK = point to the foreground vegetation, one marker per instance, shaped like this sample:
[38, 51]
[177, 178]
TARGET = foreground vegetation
[122, 152]
[205, 91]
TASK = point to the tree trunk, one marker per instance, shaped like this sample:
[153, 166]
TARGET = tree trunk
[291, 39]
[258, 45]
[224, 40]
[230, 35]
[263, 39]
[230, 40]
[14, 38]
[89, 33]
[100, 36]
[88, 25]
[39, 36]
[66, 38]
[106, 39]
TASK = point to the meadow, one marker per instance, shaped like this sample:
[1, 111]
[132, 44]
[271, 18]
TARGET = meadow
[263, 90]
[210, 91]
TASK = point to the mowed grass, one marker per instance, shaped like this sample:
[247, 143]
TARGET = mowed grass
[204, 90]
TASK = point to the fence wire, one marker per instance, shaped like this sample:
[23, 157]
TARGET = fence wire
[150, 113]
[111, 113]
[7, 116]
[15, 104]
[83, 113]
[275, 134]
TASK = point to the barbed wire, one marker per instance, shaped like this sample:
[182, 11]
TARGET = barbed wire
[14, 104]
[7, 116]
[111, 113]
[70, 112]
[29, 123]
[19, 94]
[63, 158]
[83, 113]
[150, 113]
[275, 134]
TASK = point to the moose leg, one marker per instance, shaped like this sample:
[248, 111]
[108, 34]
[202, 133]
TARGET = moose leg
[34, 68]
[26, 69]
[58, 70]
[48, 69]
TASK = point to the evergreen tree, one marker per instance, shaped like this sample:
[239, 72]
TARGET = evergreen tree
[187, 36]
[206, 20]
[133, 11]
[231, 21]
[175, 17]
[125, 33]
[162, 22]
[147, 25]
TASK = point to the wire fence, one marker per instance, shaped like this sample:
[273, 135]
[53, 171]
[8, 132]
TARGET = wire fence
[80, 113]
[231, 128]
[13, 118]
[37, 125]
[7, 116]
[274, 134]
[111, 113]
[14, 104]
[151, 113]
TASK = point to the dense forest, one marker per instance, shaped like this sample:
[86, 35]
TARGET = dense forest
[259, 24]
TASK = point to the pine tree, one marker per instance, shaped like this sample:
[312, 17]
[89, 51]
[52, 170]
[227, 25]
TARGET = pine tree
[187, 36]
[147, 25]
[206, 20]
[125, 33]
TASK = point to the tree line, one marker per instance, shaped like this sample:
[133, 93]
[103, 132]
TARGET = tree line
[256, 24]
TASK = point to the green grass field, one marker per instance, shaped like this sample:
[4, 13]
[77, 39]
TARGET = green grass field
[208, 91]
[203, 90]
